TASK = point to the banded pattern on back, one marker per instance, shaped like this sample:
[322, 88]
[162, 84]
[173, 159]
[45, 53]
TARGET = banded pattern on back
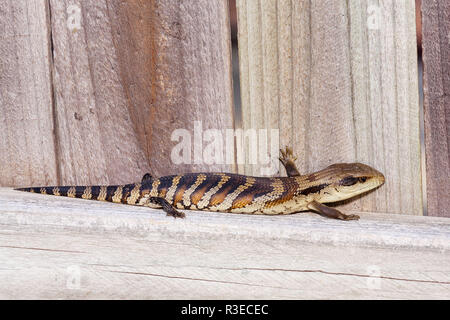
[210, 191]
[237, 193]
[225, 192]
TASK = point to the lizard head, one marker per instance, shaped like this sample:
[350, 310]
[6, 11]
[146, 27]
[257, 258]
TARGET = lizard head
[346, 180]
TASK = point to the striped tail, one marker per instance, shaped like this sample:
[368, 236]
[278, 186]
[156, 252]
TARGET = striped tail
[129, 193]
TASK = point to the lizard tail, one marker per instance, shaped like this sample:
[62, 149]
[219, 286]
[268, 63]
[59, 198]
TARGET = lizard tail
[118, 194]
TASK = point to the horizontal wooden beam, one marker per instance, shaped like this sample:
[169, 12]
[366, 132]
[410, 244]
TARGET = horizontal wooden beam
[54, 247]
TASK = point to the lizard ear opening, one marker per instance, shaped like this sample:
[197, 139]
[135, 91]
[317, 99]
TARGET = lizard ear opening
[348, 181]
[147, 177]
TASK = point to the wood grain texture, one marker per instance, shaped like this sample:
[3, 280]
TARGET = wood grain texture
[436, 87]
[123, 76]
[95, 137]
[176, 67]
[342, 83]
[27, 152]
[61, 248]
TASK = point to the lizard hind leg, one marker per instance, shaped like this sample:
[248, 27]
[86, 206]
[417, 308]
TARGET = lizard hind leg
[167, 207]
[288, 160]
[146, 178]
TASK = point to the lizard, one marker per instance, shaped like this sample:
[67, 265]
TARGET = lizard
[235, 193]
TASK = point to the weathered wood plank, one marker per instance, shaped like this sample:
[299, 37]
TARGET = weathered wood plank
[436, 88]
[126, 74]
[346, 91]
[60, 248]
[27, 152]
[96, 142]
[176, 68]
[150, 74]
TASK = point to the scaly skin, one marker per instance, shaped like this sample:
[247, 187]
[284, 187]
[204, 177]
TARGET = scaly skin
[236, 193]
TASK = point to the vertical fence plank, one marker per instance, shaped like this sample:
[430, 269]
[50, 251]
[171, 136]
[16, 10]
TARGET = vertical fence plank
[95, 139]
[176, 68]
[436, 87]
[27, 153]
[251, 60]
[347, 88]
[92, 90]
[128, 75]
[385, 103]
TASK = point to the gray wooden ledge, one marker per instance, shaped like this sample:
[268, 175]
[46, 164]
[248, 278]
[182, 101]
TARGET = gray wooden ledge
[61, 248]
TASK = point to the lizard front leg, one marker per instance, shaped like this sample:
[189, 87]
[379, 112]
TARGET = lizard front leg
[287, 159]
[330, 212]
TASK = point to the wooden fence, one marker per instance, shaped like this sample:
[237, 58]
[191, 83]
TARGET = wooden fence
[340, 81]
[91, 92]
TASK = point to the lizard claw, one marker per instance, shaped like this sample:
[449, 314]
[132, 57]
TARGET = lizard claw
[351, 217]
[287, 155]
